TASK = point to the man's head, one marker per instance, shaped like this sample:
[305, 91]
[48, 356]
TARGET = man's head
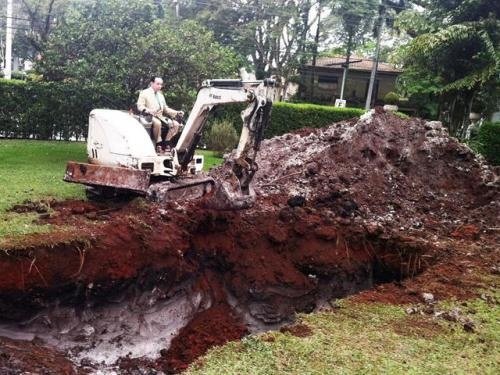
[156, 83]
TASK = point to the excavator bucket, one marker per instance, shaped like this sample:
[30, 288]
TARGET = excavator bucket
[231, 190]
[228, 197]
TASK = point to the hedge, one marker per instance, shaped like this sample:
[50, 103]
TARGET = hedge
[59, 110]
[487, 142]
[287, 117]
[50, 110]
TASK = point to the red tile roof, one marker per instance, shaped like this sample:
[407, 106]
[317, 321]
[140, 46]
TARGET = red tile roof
[363, 65]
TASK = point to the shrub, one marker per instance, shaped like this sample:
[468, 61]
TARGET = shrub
[487, 142]
[15, 74]
[391, 98]
[222, 137]
[286, 117]
[402, 115]
[49, 110]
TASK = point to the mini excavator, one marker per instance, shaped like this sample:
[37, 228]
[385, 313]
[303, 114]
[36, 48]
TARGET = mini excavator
[122, 158]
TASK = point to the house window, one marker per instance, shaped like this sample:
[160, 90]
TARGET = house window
[327, 82]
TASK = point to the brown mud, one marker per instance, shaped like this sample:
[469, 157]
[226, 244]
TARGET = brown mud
[382, 207]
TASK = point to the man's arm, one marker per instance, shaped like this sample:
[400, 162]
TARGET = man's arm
[141, 101]
[170, 112]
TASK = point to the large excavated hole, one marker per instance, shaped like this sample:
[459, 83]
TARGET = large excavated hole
[226, 284]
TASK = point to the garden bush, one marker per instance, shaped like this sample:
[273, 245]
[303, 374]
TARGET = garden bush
[487, 142]
[391, 98]
[286, 117]
[222, 137]
[50, 110]
[15, 74]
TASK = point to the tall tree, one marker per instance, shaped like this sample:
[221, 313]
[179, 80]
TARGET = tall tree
[273, 35]
[124, 43]
[41, 15]
[454, 57]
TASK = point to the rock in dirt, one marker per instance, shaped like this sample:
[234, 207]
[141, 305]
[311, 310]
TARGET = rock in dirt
[296, 201]
[428, 297]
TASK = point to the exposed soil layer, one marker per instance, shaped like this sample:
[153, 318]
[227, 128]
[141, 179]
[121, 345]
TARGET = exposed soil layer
[32, 358]
[200, 335]
[386, 207]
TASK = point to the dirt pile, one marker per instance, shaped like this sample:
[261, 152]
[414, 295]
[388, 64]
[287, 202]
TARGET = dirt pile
[340, 210]
[382, 172]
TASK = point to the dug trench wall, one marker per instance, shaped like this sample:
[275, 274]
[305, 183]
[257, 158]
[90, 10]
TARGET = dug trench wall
[339, 210]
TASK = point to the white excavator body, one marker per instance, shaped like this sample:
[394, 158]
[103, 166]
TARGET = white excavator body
[121, 155]
[117, 138]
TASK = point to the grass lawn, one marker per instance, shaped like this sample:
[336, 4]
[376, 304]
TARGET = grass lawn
[33, 170]
[367, 339]
[210, 159]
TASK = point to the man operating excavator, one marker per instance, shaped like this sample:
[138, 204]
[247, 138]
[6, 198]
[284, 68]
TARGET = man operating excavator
[123, 159]
[152, 102]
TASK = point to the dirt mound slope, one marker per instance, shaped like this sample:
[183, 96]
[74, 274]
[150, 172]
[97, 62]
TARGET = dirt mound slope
[383, 172]
[383, 205]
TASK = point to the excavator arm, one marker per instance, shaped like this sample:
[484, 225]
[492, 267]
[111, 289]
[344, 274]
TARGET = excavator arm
[233, 189]
[215, 93]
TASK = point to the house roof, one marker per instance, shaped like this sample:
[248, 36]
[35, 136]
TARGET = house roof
[360, 64]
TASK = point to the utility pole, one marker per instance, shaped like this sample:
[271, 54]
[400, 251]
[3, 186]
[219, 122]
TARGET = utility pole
[8, 42]
[346, 67]
[369, 94]
[177, 9]
[315, 52]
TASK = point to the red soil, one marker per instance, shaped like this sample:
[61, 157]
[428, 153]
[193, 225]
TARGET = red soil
[200, 335]
[20, 357]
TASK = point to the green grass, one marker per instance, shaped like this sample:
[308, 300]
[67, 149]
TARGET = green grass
[367, 339]
[210, 159]
[33, 170]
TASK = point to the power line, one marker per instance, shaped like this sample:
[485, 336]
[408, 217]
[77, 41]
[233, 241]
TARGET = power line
[260, 9]
[15, 18]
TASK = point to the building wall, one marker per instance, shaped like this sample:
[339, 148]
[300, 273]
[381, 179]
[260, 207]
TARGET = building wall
[327, 85]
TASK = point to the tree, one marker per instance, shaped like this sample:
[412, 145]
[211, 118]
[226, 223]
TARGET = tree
[41, 18]
[125, 43]
[273, 35]
[454, 57]
[33, 21]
